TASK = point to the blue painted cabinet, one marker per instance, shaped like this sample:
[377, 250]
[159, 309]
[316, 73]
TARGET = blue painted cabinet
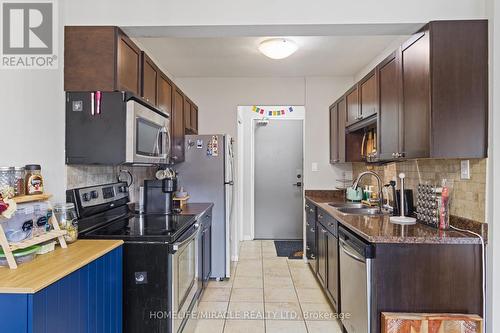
[88, 300]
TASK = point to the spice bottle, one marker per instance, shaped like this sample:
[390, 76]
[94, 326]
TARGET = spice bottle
[34, 179]
[19, 176]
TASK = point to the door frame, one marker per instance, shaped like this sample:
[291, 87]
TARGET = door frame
[247, 142]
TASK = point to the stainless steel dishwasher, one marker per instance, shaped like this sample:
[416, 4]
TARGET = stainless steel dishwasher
[356, 263]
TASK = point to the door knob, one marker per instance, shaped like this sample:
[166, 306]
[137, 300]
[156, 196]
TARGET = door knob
[298, 184]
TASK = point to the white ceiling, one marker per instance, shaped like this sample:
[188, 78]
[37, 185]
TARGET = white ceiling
[239, 56]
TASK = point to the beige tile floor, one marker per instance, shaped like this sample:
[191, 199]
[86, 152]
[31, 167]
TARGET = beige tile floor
[266, 293]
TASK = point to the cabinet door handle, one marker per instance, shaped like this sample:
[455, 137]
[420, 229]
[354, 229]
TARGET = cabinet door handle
[313, 230]
[308, 248]
[336, 161]
[320, 216]
[313, 256]
[323, 230]
[307, 224]
[331, 224]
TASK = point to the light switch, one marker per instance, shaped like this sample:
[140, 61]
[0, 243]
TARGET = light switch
[314, 167]
[464, 169]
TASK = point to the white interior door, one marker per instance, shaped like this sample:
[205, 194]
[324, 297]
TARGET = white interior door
[278, 179]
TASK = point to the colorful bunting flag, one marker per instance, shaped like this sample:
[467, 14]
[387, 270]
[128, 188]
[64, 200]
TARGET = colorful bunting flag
[274, 113]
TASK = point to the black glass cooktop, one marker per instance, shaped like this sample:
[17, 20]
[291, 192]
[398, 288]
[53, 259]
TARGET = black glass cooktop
[148, 227]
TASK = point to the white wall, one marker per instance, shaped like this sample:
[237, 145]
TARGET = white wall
[32, 120]
[224, 12]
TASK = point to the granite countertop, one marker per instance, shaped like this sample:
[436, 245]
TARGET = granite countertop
[48, 268]
[197, 209]
[378, 229]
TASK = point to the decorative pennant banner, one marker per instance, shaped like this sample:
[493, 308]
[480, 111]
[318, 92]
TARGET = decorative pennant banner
[273, 113]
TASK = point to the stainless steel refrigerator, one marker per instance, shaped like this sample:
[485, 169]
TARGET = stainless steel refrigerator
[207, 175]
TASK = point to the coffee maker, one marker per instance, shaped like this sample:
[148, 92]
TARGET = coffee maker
[159, 193]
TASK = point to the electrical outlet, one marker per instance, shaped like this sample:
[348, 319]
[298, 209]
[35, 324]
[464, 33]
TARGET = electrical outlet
[314, 167]
[464, 169]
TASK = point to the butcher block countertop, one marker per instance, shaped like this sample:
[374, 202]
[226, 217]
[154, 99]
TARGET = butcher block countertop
[48, 268]
[378, 229]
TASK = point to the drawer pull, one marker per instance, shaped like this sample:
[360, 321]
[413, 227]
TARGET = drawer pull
[320, 216]
[323, 230]
[313, 230]
[311, 210]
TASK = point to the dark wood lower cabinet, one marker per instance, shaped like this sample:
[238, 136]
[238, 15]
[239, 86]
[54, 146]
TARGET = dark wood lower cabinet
[205, 248]
[322, 245]
[434, 278]
[333, 269]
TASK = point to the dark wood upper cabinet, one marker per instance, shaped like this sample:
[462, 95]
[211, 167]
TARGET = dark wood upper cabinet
[187, 114]
[178, 128]
[368, 95]
[150, 75]
[389, 117]
[352, 100]
[459, 88]
[431, 96]
[100, 58]
[129, 64]
[337, 131]
[334, 134]
[190, 116]
[415, 64]
[194, 118]
[165, 90]
[342, 114]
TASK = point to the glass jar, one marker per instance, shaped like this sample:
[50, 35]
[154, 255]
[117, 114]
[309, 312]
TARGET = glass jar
[7, 180]
[19, 186]
[34, 179]
[66, 218]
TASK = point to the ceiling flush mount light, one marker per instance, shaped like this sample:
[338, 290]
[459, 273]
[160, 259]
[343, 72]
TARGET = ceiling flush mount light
[278, 48]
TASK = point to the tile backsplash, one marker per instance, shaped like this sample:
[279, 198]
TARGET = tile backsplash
[89, 175]
[467, 195]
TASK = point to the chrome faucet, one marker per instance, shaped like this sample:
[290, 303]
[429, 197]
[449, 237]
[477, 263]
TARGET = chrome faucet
[379, 183]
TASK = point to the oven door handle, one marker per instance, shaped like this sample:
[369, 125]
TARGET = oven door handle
[177, 245]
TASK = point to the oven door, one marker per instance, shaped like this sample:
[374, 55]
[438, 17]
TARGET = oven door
[184, 283]
[148, 135]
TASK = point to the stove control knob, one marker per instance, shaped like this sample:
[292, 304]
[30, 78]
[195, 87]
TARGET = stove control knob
[86, 197]
[123, 189]
[94, 194]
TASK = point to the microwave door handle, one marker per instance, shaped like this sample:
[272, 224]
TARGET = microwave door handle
[156, 148]
[164, 139]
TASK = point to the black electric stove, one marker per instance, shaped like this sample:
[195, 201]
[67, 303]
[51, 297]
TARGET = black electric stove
[151, 227]
[153, 244]
[103, 214]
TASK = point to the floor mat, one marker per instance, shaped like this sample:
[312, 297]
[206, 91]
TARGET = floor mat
[293, 249]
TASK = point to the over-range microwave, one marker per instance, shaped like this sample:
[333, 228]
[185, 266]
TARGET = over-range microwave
[111, 128]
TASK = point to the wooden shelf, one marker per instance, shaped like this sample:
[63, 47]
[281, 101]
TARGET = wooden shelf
[53, 234]
[37, 240]
[31, 198]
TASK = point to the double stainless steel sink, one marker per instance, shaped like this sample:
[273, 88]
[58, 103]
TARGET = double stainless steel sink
[353, 208]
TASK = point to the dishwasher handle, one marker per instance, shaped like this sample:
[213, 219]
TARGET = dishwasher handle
[349, 251]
